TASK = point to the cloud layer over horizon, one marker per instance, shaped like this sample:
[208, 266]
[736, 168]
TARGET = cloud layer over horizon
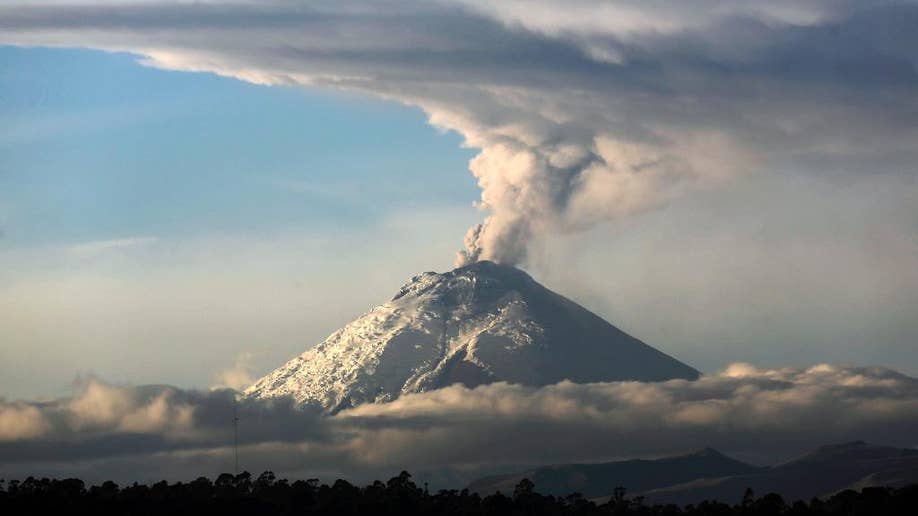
[151, 432]
[584, 111]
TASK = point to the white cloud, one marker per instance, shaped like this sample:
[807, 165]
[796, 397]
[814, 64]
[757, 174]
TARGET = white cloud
[238, 376]
[743, 409]
[632, 18]
[97, 247]
[21, 421]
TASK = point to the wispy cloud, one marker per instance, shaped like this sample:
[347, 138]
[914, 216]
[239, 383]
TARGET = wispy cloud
[238, 376]
[97, 247]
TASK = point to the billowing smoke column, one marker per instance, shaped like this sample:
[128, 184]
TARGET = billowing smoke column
[534, 190]
[527, 190]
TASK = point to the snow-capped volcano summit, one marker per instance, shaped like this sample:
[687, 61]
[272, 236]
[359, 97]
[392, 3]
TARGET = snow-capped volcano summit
[473, 325]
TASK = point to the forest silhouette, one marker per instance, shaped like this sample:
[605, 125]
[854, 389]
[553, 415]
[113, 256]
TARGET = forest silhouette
[266, 495]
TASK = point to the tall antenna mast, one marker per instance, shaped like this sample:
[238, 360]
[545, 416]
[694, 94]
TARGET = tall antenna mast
[235, 438]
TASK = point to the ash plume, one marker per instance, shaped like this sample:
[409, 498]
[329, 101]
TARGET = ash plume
[583, 111]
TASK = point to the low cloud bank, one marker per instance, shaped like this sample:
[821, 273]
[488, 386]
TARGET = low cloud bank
[149, 432]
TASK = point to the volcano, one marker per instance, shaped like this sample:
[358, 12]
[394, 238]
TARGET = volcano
[477, 324]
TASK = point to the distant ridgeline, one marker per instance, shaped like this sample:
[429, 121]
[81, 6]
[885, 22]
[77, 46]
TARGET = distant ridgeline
[710, 475]
[265, 495]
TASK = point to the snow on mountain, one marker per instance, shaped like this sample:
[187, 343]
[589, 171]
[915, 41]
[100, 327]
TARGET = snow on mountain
[476, 324]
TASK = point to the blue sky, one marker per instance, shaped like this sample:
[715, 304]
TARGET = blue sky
[123, 188]
[96, 147]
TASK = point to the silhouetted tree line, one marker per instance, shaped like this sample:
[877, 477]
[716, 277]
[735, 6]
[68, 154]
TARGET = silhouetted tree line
[267, 495]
